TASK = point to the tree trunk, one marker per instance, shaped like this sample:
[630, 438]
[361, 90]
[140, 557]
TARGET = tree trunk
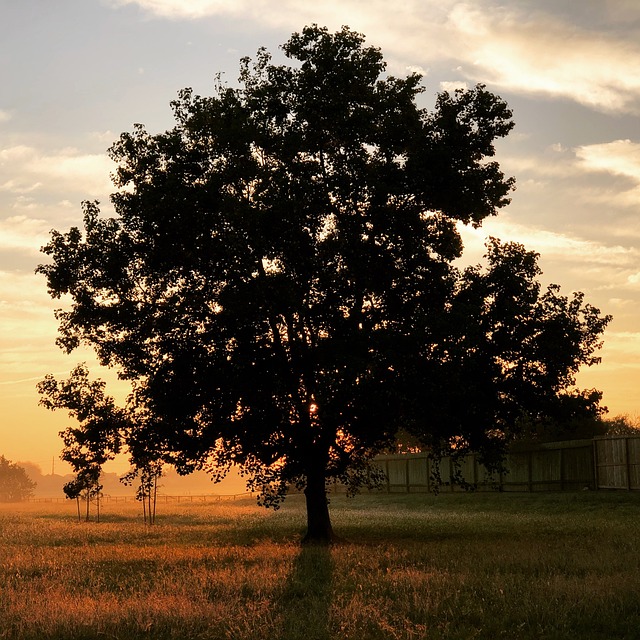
[319, 530]
[155, 497]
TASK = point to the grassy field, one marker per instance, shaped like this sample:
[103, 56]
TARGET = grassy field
[454, 566]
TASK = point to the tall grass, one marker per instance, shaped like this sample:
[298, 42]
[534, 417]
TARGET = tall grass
[454, 566]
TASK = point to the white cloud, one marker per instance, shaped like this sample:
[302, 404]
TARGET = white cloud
[570, 174]
[453, 85]
[554, 245]
[19, 186]
[23, 233]
[516, 49]
[555, 163]
[537, 53]
[87, 172]
[17, 153]
[178, 9]
[24, 168]
[104, 137]
[5, 116]
[416, 68]
[619, 158]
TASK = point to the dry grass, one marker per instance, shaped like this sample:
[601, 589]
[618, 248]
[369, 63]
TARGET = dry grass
[456, 567]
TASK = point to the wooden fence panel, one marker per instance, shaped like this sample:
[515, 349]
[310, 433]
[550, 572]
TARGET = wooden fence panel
[418, 474]
[397, 474]
[618, 462]
[633, 461]
[546, 467]
[518, 475]
[611, 463]
[578, 470]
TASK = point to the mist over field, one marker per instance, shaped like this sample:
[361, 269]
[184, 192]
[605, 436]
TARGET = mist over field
[50, 485]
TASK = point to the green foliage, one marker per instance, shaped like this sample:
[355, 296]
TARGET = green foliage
[15, 484]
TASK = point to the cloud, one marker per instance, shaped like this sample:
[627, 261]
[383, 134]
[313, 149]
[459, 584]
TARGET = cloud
[582, 178]
[178, 9]
[5, 116]
[452, 86]
[23, 233]
[24, 168]
[554, 245]
[516, 49]
[26, 315]
[19, 186]
[619, 158]
[539, 53]
[24, 291]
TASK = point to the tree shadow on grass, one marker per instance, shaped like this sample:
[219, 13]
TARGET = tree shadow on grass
[306, 600]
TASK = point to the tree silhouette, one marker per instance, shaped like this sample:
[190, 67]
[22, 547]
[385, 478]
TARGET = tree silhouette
[278, 281]
[507, 362]
[15, 484]
[98, 437]
[146, 473]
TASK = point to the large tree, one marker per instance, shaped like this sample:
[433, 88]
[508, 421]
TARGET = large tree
[278, 280]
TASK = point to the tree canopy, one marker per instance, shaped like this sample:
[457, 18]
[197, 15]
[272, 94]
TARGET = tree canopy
[278, 281]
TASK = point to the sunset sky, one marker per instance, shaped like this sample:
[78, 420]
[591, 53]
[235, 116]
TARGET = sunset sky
[76, 73]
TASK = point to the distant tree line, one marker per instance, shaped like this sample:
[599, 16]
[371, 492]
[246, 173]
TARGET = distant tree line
[15, 484]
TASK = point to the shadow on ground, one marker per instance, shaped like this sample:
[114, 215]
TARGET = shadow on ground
[306, 600]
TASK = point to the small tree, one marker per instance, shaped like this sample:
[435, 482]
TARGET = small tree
[147, 474]
[86, 485]
[15, 484]
[98, 437]
[146, 455]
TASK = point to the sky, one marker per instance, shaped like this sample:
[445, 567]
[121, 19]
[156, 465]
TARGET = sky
[77, 73]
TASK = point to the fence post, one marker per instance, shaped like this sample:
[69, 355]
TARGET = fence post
[627, 462]
[596, 477]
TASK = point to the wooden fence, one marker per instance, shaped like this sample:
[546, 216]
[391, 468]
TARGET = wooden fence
[601, 463]
[617, 462]
[609, 462]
